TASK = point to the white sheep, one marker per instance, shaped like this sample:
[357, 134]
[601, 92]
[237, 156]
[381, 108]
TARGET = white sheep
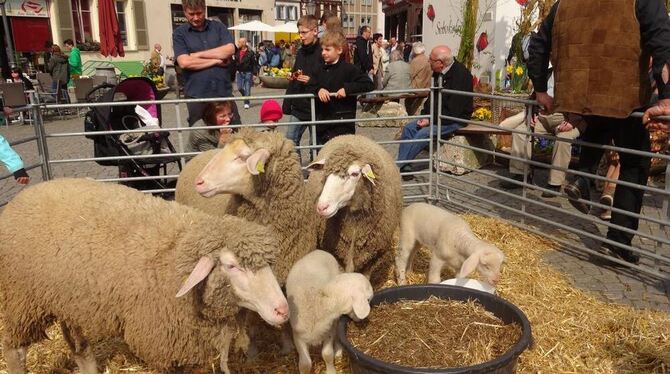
[318, 294]
[186, 194]
[451, 242]
[357, 188]
[106, 261]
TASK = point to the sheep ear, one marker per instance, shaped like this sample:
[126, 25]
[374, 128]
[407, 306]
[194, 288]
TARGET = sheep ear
[200, 272]
[368, 174]
[256, 162]
[361, 307]
[469, 265]
[316, 165]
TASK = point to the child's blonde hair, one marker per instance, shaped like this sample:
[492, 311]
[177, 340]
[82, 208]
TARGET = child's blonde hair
[333, 39]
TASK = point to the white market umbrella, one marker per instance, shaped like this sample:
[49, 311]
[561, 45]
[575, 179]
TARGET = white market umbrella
[289, 27]
[253, 26]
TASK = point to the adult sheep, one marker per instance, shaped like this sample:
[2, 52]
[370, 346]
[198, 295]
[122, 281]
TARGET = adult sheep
[357, 188]
[262, 172]
[186, 194]
[106, 261]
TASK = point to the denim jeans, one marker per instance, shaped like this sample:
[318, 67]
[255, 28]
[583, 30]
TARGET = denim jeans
[409, 151]
[244, 83]
[294, 133]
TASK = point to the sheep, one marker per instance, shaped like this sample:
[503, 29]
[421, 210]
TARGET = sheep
[318, 294]
[262, 173]
[358, 188]
[451, 241]
[106, 261]
[186, 194]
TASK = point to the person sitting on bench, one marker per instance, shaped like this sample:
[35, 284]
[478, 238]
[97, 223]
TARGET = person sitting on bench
[455, 76]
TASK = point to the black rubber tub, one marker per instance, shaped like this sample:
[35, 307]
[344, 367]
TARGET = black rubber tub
[507, 312]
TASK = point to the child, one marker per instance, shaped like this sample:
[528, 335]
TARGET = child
[215, 114]
[343, 79]
[271, 113]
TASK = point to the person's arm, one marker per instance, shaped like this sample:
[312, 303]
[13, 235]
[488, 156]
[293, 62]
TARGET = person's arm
[387, 76]
[360, 84]
[539, 51]
[655, 34]
[9, 157]
[457, 105]
[223, 52]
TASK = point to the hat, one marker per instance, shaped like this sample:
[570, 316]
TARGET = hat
[271, 111]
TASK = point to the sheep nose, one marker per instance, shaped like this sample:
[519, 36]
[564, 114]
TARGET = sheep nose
[322, 207]
[282, 310]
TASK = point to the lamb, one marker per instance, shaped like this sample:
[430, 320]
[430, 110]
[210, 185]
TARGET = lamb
[318, 294]
[262, 172]
[106, 261]
[186, 194]
[451, 241]
[359, 193]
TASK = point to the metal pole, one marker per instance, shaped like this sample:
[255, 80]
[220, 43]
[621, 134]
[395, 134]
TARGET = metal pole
[38, 125]
[8, 38]
[524, 191]
[433, 117]
[314, 151]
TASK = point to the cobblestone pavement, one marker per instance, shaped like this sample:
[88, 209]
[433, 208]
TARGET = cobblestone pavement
[615, 284]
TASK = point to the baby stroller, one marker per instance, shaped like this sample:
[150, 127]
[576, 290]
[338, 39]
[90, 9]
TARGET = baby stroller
[130, 117]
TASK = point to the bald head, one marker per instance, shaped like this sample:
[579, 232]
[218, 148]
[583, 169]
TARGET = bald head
[441, 58]
[157, 47]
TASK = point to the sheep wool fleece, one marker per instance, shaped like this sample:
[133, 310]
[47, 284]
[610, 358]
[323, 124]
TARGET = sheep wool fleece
[108, 260]
[278, 199]
[186, 194]
[368, 224]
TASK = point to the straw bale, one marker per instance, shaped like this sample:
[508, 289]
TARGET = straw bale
[573, 330]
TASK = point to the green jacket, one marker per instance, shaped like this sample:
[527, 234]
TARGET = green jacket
[75, 61]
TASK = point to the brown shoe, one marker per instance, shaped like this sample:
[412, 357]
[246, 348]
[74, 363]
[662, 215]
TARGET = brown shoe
[578, 189]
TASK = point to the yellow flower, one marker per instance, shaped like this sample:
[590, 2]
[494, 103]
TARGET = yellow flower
[519, 70]
[509, 69]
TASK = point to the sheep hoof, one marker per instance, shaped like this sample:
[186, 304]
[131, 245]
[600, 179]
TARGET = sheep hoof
[252, 353]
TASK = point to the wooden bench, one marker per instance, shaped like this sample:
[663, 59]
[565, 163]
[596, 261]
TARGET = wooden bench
[472, 129]
[376, 102]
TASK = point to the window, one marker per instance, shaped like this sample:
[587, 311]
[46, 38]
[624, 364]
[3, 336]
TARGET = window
[369, 21]
[281, 12]
[293, 13]
[121, 15]
[81, 15]
[141, 31]
[363, 21]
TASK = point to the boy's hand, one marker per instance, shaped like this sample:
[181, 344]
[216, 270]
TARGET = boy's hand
[341, 93]
[303, 78]
[324, 95]
[23, 180]
[423, 122]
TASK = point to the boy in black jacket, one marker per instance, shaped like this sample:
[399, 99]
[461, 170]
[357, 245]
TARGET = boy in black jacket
[307, 61]
[343, 79]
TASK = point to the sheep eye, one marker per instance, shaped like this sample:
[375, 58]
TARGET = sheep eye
[355, 174]
[230, 267]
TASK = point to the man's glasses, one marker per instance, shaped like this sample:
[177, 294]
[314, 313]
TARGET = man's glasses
[305, 32]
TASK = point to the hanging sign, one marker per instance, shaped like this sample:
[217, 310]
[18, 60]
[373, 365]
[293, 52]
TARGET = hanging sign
[27, 8]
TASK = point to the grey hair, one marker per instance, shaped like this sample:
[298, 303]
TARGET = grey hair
[418, 48]
[396, 55]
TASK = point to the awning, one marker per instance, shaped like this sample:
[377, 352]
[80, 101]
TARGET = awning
[111, 43]
[253, 26]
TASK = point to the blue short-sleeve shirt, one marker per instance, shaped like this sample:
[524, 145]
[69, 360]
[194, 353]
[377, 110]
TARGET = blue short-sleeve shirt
[210, 82]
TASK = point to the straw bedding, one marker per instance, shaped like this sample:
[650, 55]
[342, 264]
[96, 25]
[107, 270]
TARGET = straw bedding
[433, 333]
[574, 331]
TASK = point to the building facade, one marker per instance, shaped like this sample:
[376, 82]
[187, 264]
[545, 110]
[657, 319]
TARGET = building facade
[403, 19]
[357, 13]
[286, 11]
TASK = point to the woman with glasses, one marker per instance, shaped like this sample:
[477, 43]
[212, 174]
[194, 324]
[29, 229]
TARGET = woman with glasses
[216, 114]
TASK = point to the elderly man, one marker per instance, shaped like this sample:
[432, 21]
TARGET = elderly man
[604, 85]
[203, 50]
[397, 73]
[420, 72]
[244, 61]
[455, 76]
[157, 60]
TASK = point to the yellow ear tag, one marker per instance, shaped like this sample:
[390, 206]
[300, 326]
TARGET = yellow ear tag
[260, 167]
[370, 174]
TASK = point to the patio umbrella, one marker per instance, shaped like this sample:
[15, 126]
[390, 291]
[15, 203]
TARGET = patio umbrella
[289, 27]
[253, 26]
[110, 34]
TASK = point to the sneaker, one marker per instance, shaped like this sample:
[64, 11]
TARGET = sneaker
[578, 189]
[606, 215]
[246, 106]
[555, 191]
[621, 253]
[407, 168]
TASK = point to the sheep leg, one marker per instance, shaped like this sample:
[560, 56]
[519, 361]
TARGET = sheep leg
[81, 350]
[327, 353]
[226, 338]
[15, 357]
[338, 348]
[436, 265]
[406, 247]
[304, 361]
[286, 342]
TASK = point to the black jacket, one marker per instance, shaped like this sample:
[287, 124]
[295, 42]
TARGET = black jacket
[333, 78]
[246, 64]
[363, 56]
[308, 59]
[457, 78]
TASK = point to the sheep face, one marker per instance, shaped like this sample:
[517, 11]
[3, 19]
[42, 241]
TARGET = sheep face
[340, 188]
[359, 292]
[232, 170]
[256, 290]
[488, 262]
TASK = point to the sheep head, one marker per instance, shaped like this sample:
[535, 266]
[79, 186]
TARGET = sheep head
[232, 169]
[487, 260]
[352, 293]
[234, 269]
[349, 182]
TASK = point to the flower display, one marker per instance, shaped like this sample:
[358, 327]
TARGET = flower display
[518, 77]
[482, 114]
[519, 70]
[277, 72]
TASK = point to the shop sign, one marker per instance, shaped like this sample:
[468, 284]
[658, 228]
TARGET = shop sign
[27, 8]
